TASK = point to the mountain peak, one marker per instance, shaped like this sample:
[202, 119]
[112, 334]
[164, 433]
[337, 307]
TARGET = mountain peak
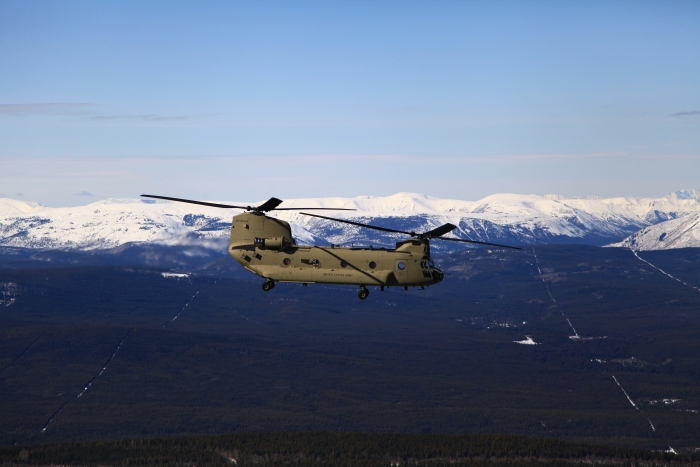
[9, 207]
[685, 194]
[408, 194]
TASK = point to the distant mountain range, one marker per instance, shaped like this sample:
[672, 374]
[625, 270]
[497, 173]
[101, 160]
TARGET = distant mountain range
[502, 218]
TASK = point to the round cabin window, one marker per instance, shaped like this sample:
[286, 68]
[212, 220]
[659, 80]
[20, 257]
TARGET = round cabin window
[372, 265]
[315, 262]
[343, 264]
[401, 266]
[287, 261]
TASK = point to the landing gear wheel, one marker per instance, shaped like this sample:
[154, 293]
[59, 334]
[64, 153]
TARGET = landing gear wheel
[363, 293]
[267, 286]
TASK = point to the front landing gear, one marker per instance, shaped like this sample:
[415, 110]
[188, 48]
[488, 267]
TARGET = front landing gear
[267, 286]
[363, 293]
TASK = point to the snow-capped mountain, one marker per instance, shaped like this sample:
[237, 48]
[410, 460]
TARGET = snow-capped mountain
[502, 218]
[683, 232]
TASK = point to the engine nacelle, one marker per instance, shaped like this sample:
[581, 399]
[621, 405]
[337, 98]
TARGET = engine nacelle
[273, 243]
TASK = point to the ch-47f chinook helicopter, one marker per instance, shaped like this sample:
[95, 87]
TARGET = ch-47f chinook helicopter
[265, 246]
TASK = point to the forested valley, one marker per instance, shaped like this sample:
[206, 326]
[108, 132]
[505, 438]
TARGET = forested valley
[544, 352]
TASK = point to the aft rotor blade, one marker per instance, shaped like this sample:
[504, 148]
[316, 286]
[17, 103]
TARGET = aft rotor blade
[383, 229]
[438, 232]
[474, 241]
[202, 203]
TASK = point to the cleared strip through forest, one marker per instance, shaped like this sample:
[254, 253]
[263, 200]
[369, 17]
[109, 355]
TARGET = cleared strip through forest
[89, 383]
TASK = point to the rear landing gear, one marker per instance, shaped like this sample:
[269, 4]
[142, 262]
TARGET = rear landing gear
[267, 286]
[363, 293]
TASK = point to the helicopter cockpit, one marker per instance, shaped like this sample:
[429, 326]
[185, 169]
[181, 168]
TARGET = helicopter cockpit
[429, 270]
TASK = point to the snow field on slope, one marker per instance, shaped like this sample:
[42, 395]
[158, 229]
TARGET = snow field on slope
[683, 232]
[523, 218]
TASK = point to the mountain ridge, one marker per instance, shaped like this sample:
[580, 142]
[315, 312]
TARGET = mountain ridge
[683, 232]
[499, 218]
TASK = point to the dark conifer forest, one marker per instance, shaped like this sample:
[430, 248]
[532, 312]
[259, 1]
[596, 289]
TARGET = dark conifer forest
[553, 355]
[339, 449]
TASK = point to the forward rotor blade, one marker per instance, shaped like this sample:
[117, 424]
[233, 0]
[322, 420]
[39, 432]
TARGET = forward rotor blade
[474, 241]
[202, 203]
[317, 209]
[272, 203]
[269, 205]
[383, 229]
[438, 232]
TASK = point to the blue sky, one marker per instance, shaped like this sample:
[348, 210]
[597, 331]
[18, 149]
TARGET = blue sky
[247, 100]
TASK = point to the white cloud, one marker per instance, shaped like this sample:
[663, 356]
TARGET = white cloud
[62, 108]
[686, 114]
[80, 109]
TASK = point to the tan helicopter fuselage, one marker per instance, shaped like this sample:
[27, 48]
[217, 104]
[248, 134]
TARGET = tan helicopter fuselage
[265, 246]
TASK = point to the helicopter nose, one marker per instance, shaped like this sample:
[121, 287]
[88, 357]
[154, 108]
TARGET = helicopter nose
[438, 275]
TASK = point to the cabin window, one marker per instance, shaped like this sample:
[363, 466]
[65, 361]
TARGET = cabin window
[372, 265]
[315, 262]
[287, 261]
[343, 264]
[401, 266]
